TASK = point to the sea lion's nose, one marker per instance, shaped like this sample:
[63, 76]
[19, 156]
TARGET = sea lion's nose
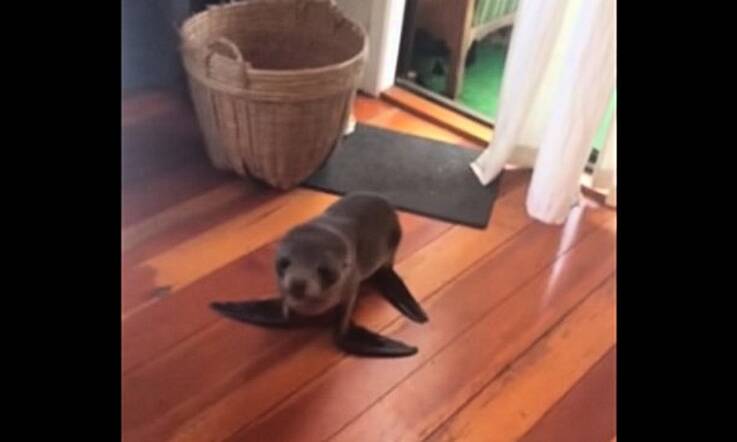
[297, 288]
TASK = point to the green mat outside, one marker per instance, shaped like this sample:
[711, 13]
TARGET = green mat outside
[483, 80]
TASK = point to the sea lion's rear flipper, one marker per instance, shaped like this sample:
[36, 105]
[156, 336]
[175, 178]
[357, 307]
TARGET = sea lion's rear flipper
[393, 289]
[359, 341]
[266, 313]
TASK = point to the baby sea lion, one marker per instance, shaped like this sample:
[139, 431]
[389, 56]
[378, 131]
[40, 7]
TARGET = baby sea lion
[320, 266]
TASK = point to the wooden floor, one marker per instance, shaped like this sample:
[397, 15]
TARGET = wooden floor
[520, 345]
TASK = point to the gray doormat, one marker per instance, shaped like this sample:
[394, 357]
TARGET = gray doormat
[418, 175]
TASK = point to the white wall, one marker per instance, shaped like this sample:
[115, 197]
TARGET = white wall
[382, 20]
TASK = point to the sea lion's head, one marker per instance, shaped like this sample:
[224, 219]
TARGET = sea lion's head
[310, 264]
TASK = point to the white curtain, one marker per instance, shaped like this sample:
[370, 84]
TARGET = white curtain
[559, 76]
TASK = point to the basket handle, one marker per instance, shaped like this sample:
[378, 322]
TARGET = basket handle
[237, 56]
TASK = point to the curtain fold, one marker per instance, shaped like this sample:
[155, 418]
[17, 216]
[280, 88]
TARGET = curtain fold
[559, 76]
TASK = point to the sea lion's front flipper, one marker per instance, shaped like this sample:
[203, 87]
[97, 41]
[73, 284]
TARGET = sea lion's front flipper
[359, 341]
[266, 313]
[393, 289]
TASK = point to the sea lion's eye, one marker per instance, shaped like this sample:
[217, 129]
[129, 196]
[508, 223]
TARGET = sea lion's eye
[327, 276]
[281, 266]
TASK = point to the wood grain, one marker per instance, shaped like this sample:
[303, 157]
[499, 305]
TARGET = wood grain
[182, 313]
[478, 133]
[366, 381]
[587, 413]
[198, 206]
[413, 401]
[189, 375]
[224, 351]
[164, 164]
[366, 109]
[518, 398]
[153, 148]
[195, 220]
[143, 107]
[404, 122]
[201, 255]
[216, 420]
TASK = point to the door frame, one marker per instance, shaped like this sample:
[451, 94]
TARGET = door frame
[383, 21]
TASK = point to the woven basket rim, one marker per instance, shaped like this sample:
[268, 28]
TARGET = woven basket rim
[298, 72]
[284, 73]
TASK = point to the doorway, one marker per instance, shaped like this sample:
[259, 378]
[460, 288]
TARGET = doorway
[454, 52]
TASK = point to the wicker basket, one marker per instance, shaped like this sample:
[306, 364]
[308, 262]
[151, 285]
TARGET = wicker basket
[273, 83]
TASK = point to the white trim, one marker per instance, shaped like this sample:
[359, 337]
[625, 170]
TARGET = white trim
[383, 20]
